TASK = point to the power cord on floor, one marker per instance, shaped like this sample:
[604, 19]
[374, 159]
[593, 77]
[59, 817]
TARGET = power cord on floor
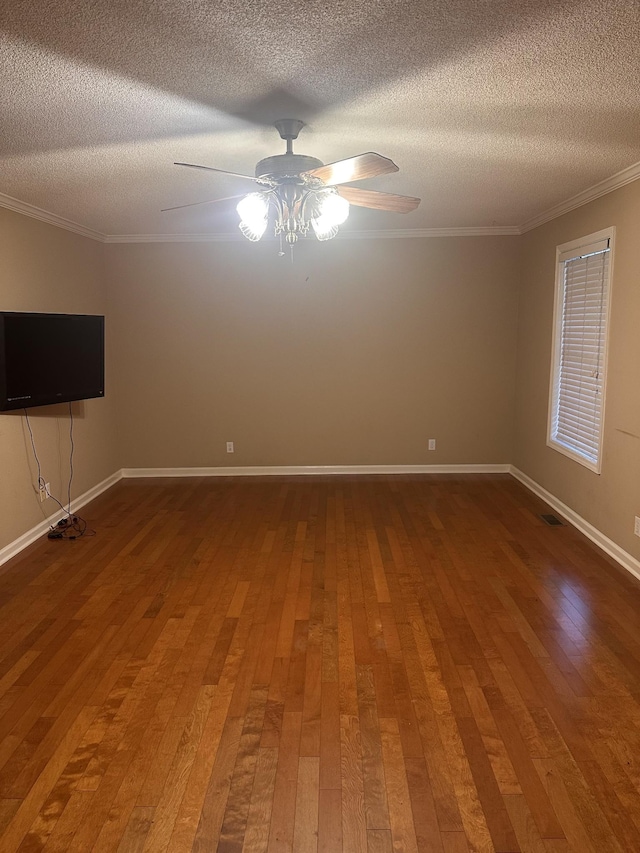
[72, 527]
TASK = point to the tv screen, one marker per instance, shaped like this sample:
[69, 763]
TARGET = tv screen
[50, 358]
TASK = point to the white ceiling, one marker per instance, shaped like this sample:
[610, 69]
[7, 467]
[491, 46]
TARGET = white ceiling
[494, 110]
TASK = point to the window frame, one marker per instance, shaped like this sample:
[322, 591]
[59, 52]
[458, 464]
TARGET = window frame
[583, 243]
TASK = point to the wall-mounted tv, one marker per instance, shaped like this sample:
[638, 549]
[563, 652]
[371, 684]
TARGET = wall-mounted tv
[50, 358]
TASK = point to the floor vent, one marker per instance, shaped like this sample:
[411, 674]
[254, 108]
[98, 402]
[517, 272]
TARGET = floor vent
[552, 520]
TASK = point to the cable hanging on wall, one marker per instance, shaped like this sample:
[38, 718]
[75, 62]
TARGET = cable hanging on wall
[71, 526]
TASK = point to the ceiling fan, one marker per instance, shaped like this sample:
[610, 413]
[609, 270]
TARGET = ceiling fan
[305, 193]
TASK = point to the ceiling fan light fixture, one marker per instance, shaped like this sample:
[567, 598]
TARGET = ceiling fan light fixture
[254, 231]
[333, 210]
[323, 229]
[253, 210]
[306, 193]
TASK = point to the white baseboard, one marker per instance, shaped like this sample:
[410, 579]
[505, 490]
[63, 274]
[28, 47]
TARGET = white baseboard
[289, 470]
[39, 530]
[626, 560]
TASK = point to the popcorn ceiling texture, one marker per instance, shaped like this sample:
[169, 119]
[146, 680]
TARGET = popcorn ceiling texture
[494, 110]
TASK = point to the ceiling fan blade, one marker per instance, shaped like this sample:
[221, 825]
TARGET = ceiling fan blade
[357, 168]
[196, 203]
[212, 169]
[379, 201]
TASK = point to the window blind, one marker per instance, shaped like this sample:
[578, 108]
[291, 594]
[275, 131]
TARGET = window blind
[577, 412]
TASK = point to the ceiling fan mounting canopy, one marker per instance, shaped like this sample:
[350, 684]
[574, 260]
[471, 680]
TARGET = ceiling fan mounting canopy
[288, 128]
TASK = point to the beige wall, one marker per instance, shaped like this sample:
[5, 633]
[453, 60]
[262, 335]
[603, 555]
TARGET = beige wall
[611, 500]
[356, 354]
[44, 268]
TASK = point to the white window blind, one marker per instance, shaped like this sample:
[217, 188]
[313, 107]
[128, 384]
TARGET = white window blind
[582, 307]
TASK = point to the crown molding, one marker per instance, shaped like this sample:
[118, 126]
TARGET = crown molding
[30, 210]
[174, 238]
[398, 234]
[620, 179]
[408, 233]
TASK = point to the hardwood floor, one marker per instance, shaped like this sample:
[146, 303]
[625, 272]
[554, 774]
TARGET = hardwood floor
[372, 664]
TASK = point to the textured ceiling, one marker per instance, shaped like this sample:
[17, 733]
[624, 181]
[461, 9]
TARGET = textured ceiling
[494, 110]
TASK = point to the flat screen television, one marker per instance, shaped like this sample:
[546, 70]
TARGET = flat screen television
[50, 358]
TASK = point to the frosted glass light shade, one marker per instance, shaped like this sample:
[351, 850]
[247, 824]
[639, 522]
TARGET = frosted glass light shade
[324, 230]
[253, 210]
[332, 212]
[334, 209]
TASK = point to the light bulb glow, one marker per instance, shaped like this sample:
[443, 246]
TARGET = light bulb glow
[323, 228]
[254, 231]
[332, 212]
[334, 208]
[253, 210]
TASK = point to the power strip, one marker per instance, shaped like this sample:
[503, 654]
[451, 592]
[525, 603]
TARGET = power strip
[60, 530]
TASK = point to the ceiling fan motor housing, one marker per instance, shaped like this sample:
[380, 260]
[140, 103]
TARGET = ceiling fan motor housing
[286, 166]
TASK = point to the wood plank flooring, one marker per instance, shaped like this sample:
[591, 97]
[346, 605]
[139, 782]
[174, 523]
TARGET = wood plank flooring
[373, 664]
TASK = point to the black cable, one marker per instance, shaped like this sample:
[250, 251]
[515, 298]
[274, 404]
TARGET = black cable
[41, 482]
[73, 526]
[70, 458]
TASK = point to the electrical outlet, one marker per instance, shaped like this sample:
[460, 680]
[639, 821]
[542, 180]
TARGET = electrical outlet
[45, 492]
[432, 444]
[636, 526]
[230, 447]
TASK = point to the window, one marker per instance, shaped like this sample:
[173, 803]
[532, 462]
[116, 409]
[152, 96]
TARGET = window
[579, 364]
